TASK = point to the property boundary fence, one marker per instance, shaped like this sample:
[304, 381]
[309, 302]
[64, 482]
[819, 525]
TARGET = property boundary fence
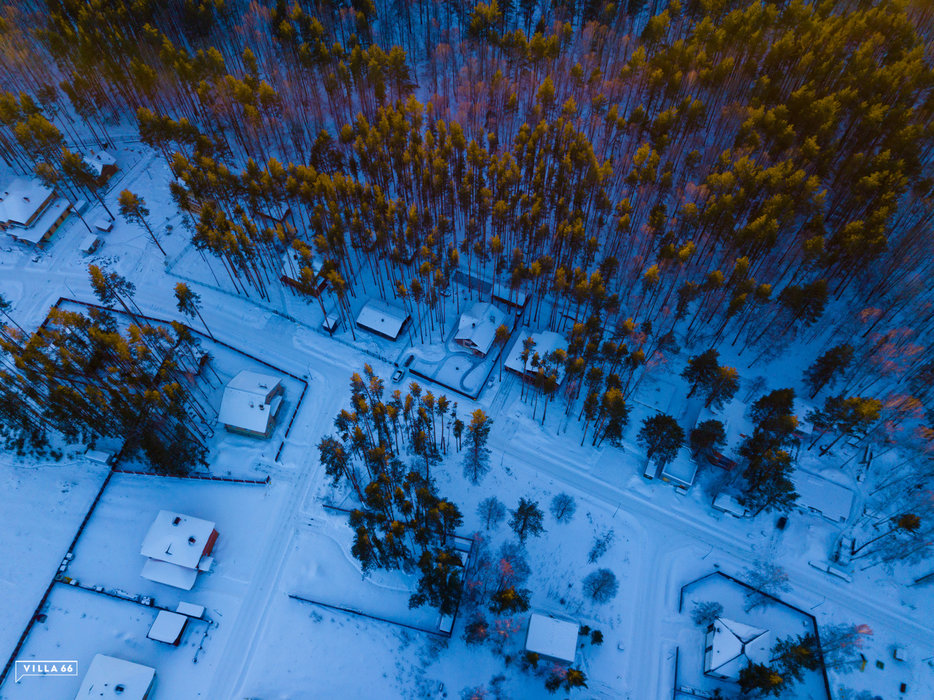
[743, 584]
[351, 611]
[199, 477]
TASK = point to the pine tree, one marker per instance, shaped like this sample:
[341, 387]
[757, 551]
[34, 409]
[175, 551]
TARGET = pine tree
[828, 368]
[662, 437]
[706, 438]
[133, 209]
[189, 303]
[527, 519]
[477, 454]
[764, 679]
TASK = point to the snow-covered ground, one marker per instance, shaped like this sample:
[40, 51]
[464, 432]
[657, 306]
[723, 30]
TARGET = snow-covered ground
[277, 539]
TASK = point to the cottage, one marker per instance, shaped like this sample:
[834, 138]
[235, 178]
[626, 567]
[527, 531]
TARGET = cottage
[546, 342]
[730, 646]
[822, 496]
[251, 403]
[476, 329]
[680, 472]
[115, 679]
[552, 638]
[102, 164]
[291, 271]
[383, 319]
[90, 244]
[30, 211]
[177, 547]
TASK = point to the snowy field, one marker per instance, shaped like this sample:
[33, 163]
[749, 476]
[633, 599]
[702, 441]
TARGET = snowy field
[32, 548]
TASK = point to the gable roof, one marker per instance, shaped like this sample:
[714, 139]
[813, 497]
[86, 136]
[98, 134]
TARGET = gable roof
[20, 199]
[382, 318]
[477, 326]
[99, 160]
[734, 646]
[248, 401]
[177, 539]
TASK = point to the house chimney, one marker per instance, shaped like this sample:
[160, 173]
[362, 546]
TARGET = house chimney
[177, 520]
[191, 540]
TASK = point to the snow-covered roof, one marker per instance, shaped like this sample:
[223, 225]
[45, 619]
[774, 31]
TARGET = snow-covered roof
[177, 539]
[89, 243]
[170, 574]
[733, 646]
[828, 498]
[545, 342]
[167, 627]
[548, 636]
[21, 199]
[250, 401]
[728, 504]
[110, 677]
[680, 470]
[382, 318]
[477, 326]
[190, 609]
[97, 161]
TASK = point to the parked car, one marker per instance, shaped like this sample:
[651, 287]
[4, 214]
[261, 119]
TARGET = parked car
[398, 375]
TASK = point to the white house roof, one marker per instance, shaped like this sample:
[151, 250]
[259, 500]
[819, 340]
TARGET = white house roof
[177, 539]
[380, 317]
[734, 646]
[170, 574]
[477, 326]
[41, 226]
[99, 160]
[248, 403]
[680, 470]
[828, 498]
[545, 342]
[167, 627]
[550, 637]
[20, 199]
[108, 673]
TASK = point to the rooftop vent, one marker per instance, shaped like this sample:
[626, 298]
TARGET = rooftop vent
[191, 540]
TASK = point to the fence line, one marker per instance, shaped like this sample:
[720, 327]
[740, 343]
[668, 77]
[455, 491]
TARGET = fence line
[367, 615]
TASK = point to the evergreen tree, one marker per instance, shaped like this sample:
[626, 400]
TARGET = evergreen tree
[706, 438]
[527, 519]
[762, 679]
[133, 209]
[189, 303]
[662, 437]
[477, 454]
[828, 368]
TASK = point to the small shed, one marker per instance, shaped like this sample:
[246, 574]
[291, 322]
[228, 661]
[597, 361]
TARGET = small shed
[726, 503]
[89, 244]
[104, 224]
[552, 638]
[115, 679]
[383, 319]
[251, 403]
[168, 627]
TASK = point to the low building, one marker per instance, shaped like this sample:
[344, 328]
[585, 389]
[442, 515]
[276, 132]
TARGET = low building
[383, 319]
[730, 646]
[101, 164]
[168, 627]
[115, 679]
[177, 547]
[546, 342]
[30, 211]
[822, 496]
[680, 472]
[251, 403]
[726, 503]
[89, 244]
[552, 638]
[476, 329]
